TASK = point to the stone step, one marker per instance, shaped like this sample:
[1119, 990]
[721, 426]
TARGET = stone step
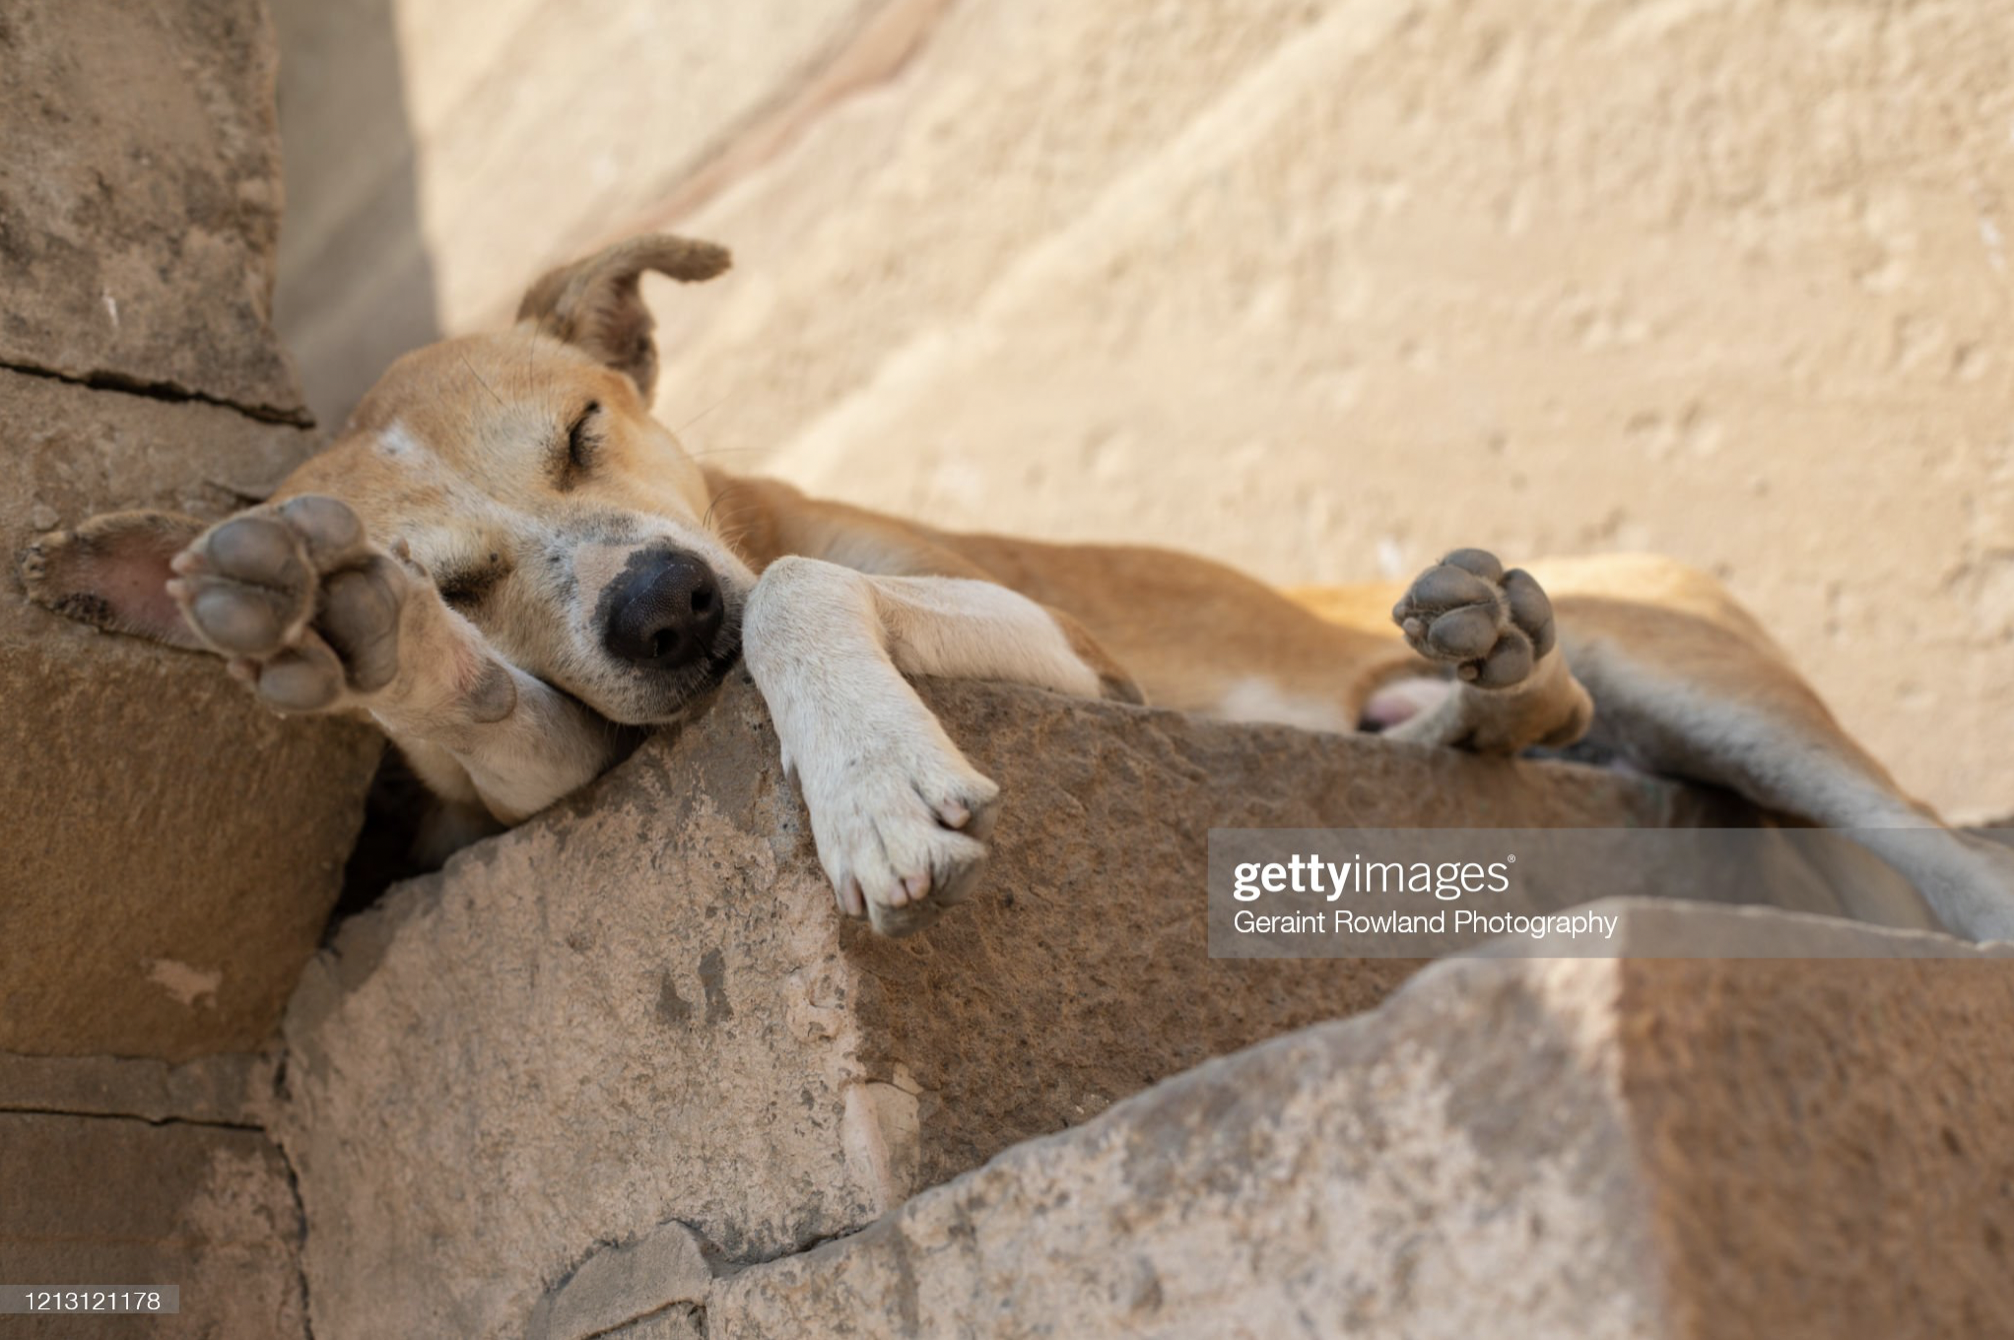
[1593, 1148]
[642, 1007]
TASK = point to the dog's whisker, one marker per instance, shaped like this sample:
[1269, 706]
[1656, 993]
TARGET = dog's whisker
[728, 526]
[703, 413]
[479, 380]
[721, 451]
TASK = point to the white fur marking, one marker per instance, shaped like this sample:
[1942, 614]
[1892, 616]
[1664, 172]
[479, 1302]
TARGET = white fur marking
[397, 443]
[885, 786]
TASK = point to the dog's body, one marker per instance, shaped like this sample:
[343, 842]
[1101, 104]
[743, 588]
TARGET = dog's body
[506, 562]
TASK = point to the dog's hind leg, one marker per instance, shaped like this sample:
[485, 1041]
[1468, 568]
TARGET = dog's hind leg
[1494, 630]
[1686, 683]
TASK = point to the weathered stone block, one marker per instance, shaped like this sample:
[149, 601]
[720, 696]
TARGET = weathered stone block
[116, 1200]
[140, 198]
[1688, 1150]
[630, 1283]
[225, 1089]
[642, 1007]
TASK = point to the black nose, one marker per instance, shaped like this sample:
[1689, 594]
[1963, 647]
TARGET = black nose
[663, 611]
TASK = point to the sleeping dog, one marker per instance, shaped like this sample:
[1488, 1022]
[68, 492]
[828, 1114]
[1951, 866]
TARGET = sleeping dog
[508, 564]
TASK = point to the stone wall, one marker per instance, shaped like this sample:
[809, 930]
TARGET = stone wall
[135, 1172]
[1681, 1150]
[170, 854]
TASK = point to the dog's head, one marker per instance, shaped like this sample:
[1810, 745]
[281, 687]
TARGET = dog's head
[524, 473]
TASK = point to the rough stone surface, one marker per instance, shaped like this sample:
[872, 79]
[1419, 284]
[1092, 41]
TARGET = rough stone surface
[138, 1172]
[140, 198]
[98, 1200]
[1456, 1159]
[677, 1322]
[1692, 1150]
[643, 1007]
[666, 1268]
[1829, 1143]
[172, 849]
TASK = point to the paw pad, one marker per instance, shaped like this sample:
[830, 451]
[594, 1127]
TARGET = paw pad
[297, 598]
[246, 587]
[1467, 611]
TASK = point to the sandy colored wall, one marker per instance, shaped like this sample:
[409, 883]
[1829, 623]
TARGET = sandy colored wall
[440, 152]
[1325, 288]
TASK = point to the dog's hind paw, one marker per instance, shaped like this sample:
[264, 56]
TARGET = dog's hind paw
[1492, 626]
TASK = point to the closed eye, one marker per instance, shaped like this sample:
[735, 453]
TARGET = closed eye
[582, 444]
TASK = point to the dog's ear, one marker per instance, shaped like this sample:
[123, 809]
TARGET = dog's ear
[113, 572]
[594, 303]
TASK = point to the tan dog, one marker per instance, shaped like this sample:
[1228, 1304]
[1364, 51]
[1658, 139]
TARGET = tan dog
[504, 560]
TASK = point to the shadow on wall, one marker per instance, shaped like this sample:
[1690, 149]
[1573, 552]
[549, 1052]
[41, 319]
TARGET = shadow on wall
[356, 284]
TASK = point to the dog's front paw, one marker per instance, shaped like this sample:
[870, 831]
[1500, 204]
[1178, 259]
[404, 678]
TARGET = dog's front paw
[900, 831]
[1493, 626]
[306, 610]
